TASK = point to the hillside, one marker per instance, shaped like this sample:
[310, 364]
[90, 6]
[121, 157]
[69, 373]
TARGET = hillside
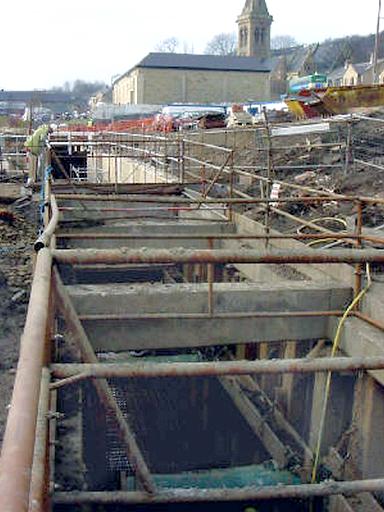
[332, 53]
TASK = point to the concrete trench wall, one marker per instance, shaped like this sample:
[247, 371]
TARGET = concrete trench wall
[357, 402]
[126, 170]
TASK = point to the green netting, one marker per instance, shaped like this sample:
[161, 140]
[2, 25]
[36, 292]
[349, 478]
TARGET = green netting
[247, 476]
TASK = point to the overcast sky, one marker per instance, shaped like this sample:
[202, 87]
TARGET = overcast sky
[45, 43]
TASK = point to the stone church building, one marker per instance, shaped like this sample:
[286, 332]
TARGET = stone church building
[166, 78]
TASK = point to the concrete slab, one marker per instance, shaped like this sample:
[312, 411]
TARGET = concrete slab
[373, 302]
[358, 339]
[139, 333]
[244, 225]
[161, 228]
[341, 272]
[171, 228]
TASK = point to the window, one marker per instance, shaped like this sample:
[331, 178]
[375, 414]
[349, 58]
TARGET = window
[243, 37]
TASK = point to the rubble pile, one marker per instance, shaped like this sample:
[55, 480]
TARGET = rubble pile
[324, 168]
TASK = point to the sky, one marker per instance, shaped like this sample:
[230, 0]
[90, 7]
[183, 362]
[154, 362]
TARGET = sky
[46, 43]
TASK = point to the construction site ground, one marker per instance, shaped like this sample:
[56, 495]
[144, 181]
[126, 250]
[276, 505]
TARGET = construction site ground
[19, 227]
[18, 231]
[17, 234]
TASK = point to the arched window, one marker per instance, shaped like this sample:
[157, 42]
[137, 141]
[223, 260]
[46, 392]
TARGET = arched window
[245, 35]
[257, 36]
[262, 35]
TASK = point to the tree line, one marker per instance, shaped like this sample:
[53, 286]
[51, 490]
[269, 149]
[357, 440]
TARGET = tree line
[221, 44]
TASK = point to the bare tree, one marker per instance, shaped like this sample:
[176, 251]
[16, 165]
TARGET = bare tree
[222, 44]
[169, 45]
[282, 42]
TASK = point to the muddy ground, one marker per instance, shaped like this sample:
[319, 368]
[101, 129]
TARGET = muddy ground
[17, 234]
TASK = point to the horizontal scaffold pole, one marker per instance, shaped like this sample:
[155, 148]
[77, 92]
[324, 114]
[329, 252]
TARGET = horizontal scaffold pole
[219, 369]
[180, 255]
[223, 495]
[206, 200]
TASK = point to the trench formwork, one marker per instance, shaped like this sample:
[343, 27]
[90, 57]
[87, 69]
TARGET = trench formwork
[179, 352]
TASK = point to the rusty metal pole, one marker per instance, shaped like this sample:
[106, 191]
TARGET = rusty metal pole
[39, 493]
[348, 147]
[293, 236]
[182, 152]
[244, 199]
[124, 255]
[269, 177]
[213, 369]
[211, 278]
[359, 267]
[103, 390]
[303, 491]
[115, 173]
[231, 187]
[19, 439]
[166, 162]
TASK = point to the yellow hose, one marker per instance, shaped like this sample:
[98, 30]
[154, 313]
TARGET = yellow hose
[335, 347]
[321, 220]
[313, 243]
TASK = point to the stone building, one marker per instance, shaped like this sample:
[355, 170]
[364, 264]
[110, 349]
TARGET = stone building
[354, 73]
[369, 77]
[165, 78]
[336, 76]
[255, 30]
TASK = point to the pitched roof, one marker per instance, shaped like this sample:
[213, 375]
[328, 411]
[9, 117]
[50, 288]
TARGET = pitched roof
[202, 62]
[44, 96]
[361, 67]
[295, 57]
[337, 74]
[380, 64]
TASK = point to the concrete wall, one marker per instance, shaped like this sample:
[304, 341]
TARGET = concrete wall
[186, 299]
[126, 170]
[163, 86]
[322, 273]
[125, 90]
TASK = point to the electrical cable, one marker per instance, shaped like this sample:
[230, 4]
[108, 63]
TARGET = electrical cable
[342, 222]
[321, 241]
[335, 347]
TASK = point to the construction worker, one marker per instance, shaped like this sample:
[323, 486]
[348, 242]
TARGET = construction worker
[34, 145]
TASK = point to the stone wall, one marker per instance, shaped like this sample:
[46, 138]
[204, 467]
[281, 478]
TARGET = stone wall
[163, 86]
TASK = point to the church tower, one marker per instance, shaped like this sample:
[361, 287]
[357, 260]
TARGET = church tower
[255, 30]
